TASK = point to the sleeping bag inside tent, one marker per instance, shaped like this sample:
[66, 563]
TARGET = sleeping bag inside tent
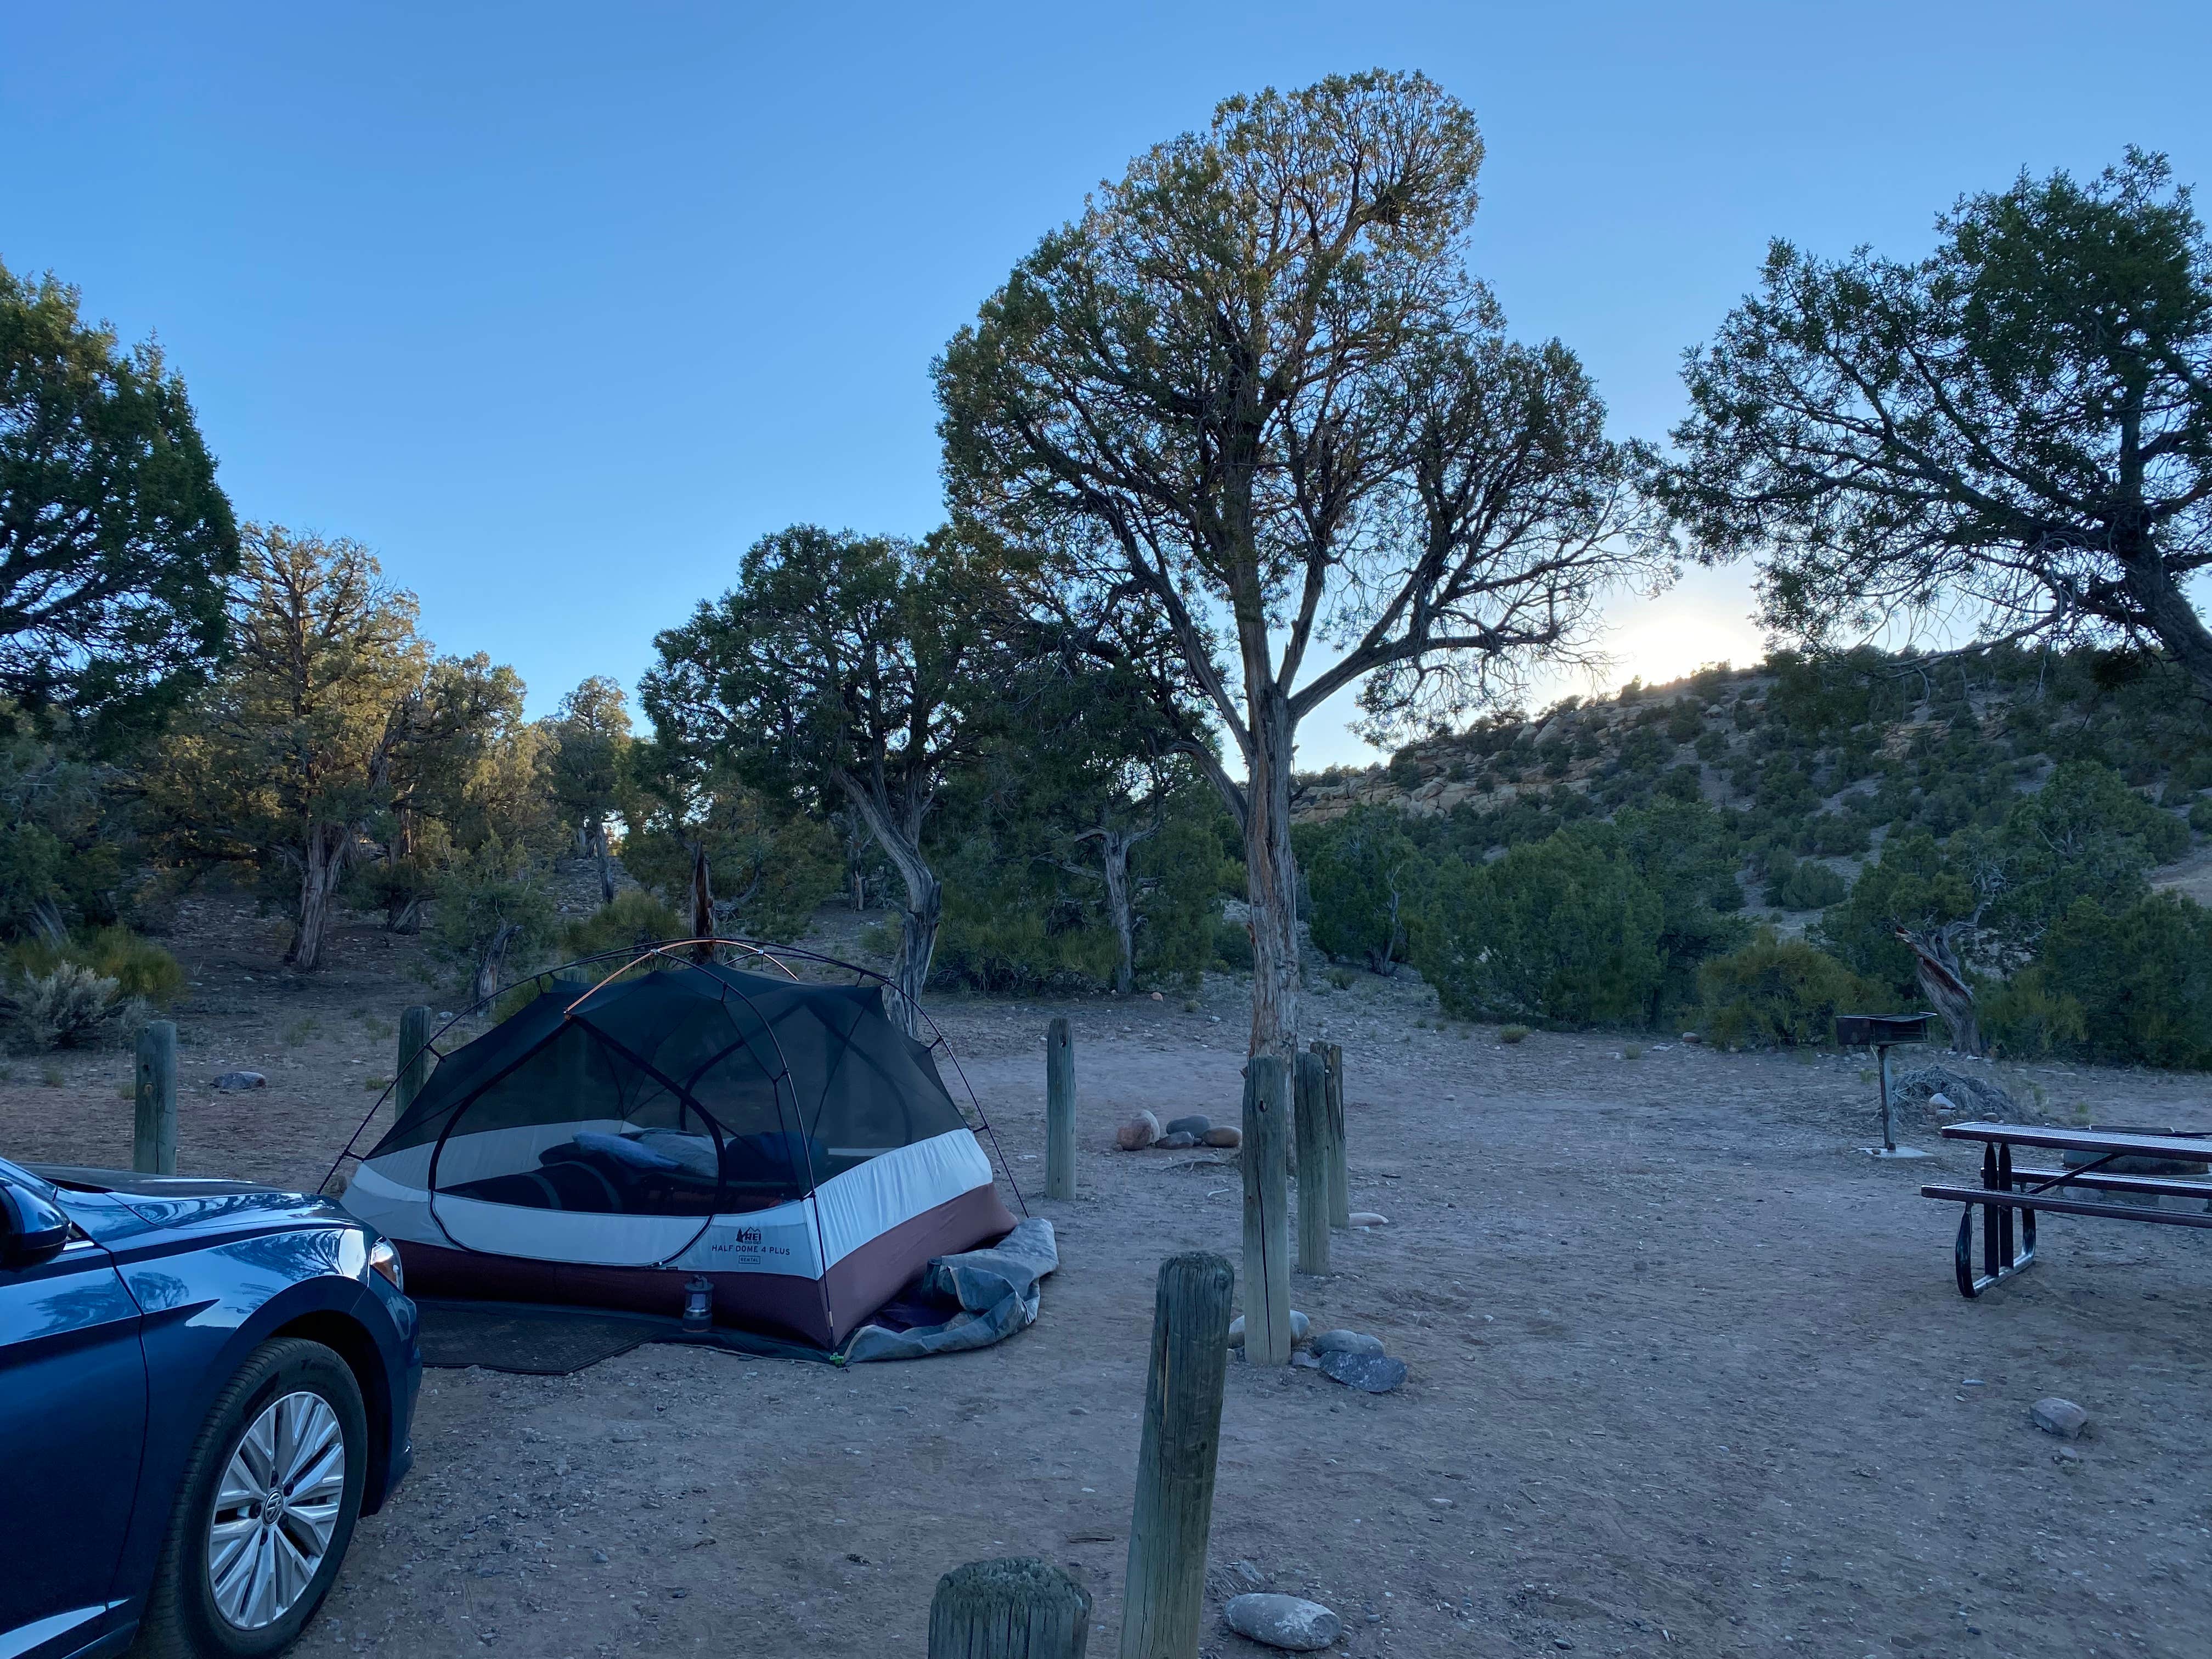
[786, 1141]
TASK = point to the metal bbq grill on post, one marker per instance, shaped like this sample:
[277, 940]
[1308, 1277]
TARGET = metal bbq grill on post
[1880, 1032]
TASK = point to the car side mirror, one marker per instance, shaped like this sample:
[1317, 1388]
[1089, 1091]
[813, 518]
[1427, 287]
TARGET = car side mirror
[32, 1231]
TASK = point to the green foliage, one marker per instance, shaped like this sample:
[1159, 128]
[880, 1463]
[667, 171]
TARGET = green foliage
[632, 919]
[1512, 1033]
[490, 910]
[1912, 884]
[1792, 885]
[1365, 880]
[1232, 946]
[2012, 429]
[2135, 985]
[68, 1007]
[1779, 993]
[1684, 853]
[1562, 931]
[118, 539]
[770, 865]
[138, 970]
[999, 940]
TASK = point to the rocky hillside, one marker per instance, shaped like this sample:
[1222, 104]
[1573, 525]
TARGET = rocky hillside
[1816, 761]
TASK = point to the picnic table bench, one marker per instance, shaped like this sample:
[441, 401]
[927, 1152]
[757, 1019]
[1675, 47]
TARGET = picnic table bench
[2008, 1189]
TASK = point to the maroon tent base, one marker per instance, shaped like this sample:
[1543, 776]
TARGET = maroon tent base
[823, 1312]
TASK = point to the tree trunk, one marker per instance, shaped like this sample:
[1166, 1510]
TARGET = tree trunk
[322, 867]
[1114, 854]
[598, 845]
[702, 905]
[1271, 879]
[919, 918]
[494, 960]
[2167, 613]
[1114, 847]
[924, 908]
[1935, 960]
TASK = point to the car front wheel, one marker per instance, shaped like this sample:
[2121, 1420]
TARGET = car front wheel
[267, 1507]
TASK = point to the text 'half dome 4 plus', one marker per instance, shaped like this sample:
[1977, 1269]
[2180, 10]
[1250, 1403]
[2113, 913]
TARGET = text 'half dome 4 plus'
[785, 1140]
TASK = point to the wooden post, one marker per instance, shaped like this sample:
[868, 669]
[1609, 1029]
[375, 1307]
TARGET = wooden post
[1310, 1080]
[414, 1057]
[1339, 1186]
[1059, 1111]
[1013, 1608]
[1266, 1212]
[1165, 1592]
[154, 1128]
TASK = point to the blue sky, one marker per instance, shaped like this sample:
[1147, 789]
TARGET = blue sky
[558, 307]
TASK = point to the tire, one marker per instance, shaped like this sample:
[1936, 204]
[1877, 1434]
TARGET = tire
[288, 1391]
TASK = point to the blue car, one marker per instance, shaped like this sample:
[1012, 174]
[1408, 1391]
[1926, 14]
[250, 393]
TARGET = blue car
[203, 1385]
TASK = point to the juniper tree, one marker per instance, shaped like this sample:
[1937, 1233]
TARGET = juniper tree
[1253, 391]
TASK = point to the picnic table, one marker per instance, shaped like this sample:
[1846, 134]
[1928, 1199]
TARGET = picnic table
[2009, 1190]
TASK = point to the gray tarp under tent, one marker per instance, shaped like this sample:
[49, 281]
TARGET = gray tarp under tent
[783, 1143]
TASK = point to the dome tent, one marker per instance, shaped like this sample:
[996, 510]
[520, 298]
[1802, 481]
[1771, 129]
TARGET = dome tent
[784, 1141]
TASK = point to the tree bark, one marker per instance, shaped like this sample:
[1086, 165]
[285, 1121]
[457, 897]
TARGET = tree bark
[598, 834]
[1271, 879]
[900, 838]
[488, 965]
[919, 918]
[1936, 961]
[702, 904]
[322, 867]
[1114, 847]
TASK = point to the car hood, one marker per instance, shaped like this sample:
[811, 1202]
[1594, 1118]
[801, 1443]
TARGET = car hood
[109, 1202]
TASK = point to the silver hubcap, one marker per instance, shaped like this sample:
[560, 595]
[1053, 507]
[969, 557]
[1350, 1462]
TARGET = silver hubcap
[275, 1509]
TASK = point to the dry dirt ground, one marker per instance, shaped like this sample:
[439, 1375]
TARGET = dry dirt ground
[1688, 1373]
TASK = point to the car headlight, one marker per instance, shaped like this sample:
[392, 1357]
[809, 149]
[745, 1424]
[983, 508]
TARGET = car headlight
[384, 1260]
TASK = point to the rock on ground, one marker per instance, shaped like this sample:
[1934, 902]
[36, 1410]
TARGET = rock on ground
[1288, 1622]
[2060, 1417]
[1370, 1373]
[1226, 1135]
[1344, 1341]
[232, 1082]
[1138, 1133]
[1300, 1328]
[1965, 1093]
[1175, 1140]
[1193, 1123]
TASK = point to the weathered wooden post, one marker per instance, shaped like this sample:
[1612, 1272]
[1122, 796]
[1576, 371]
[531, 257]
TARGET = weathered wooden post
[1310, 1080]
[1339, 1186]
[1013, 1608]
[1058, 1110]
[414, 1057]
[154, 1128]
[1165, 1592]
[1266, 1212]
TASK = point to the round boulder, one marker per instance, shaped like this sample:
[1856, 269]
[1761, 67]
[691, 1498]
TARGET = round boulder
[1224, 1136]
[1343, 1341]
[1288, 1622]
[1175, 1140]
[1138, 1133]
